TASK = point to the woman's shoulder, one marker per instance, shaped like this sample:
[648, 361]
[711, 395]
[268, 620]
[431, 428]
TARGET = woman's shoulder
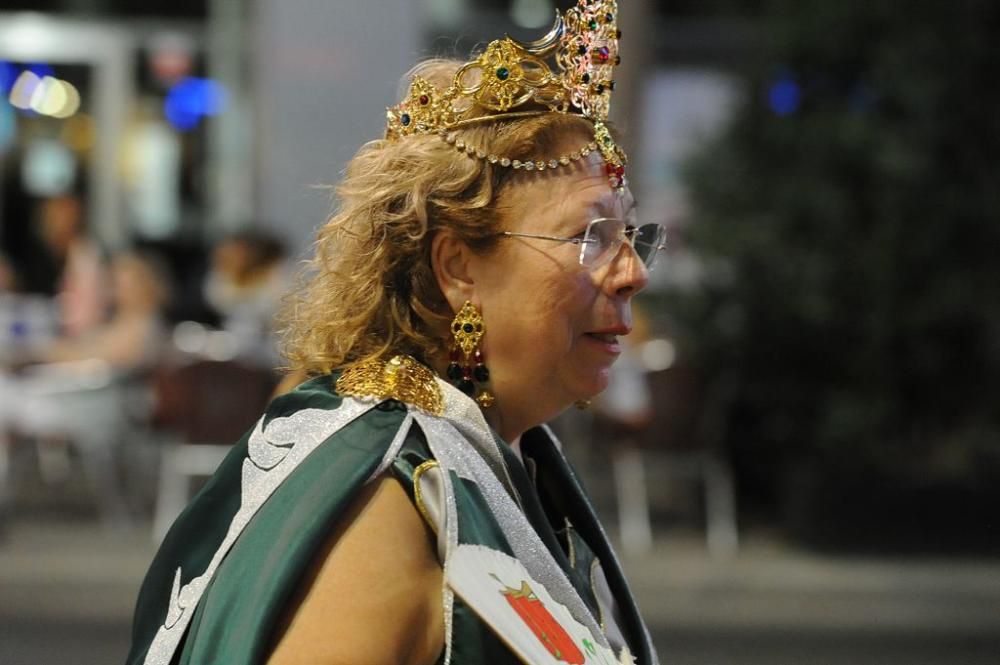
[390, 385]
[316, 426]
[309, 458]
[317, 392]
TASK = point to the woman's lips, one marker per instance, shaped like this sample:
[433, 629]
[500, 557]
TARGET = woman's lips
[608, 341]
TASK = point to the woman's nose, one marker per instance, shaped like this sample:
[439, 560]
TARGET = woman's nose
[627, 274]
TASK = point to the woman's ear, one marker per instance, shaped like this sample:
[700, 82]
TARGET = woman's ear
[450, 258]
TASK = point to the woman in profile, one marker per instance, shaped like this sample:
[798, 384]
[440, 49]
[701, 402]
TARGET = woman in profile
[407, 504]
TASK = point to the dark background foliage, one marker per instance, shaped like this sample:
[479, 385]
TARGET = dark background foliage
[849, 221]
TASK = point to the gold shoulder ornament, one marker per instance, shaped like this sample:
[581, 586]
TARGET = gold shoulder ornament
[570, 70]
[401, 378]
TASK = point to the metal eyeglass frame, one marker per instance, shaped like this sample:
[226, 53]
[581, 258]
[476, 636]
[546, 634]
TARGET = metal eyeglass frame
[627, 234]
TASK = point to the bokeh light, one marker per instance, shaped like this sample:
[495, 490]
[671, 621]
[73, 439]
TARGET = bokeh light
[24, 89]
[8, 74]
[191, 99]
[46, 95]
[79, 132]
[784, 96]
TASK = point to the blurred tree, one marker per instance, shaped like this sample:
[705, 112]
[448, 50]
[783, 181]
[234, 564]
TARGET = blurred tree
[710, 8]
[849, 221]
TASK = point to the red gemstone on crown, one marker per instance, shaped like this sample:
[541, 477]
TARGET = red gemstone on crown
[603, 53]
[424, 99]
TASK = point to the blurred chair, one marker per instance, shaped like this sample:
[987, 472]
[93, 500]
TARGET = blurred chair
[82, 406]
[203, 408]
[686, 432]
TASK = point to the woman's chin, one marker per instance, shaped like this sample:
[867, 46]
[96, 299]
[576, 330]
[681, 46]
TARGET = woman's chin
[593, 385]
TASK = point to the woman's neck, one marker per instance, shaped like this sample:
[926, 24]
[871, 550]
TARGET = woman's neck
[515, 445]
[503, 424]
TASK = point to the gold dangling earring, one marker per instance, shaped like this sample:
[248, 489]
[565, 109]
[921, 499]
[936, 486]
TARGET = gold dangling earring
[466, 367]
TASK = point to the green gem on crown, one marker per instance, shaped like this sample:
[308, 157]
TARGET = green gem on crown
[503, 73]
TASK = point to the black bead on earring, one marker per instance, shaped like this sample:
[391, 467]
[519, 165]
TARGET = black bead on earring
[467, 368]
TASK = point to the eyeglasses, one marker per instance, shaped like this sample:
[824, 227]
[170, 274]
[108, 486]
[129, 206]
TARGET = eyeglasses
[604, 237]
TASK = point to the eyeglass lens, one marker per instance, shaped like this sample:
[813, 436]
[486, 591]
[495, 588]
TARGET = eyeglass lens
[648, 241]
[607, 236]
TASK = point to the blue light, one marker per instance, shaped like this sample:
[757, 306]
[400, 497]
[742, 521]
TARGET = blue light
[784, 96]
[192, 98]
[8, 74]
[179, 118]
[40, 70]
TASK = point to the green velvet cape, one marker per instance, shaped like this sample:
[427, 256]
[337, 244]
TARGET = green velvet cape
[233, 622]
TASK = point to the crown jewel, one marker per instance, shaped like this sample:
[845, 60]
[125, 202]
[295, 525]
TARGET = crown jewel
[583, 44]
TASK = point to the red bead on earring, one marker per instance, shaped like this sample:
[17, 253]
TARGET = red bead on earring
[466, 366]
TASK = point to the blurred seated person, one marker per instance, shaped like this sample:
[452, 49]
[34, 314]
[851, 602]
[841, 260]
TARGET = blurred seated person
[131, 339]
[27, 320]
[246, 280]
[129, 342]
[80, 390]
[83, 282]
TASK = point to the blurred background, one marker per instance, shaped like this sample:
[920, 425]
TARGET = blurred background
[799, 455]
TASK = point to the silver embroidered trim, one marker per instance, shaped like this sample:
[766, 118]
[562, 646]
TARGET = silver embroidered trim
[465, 451]
[272, 454]
[600, 527]
[393, 450]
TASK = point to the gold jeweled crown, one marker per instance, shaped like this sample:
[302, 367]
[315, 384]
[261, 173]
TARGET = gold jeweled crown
[583, 44]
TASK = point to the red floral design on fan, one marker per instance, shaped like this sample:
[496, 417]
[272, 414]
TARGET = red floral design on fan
[534, 613]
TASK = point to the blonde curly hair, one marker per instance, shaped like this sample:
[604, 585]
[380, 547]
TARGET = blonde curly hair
[370, 290]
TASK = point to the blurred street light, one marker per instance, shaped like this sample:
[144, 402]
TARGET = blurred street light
[46, 95]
